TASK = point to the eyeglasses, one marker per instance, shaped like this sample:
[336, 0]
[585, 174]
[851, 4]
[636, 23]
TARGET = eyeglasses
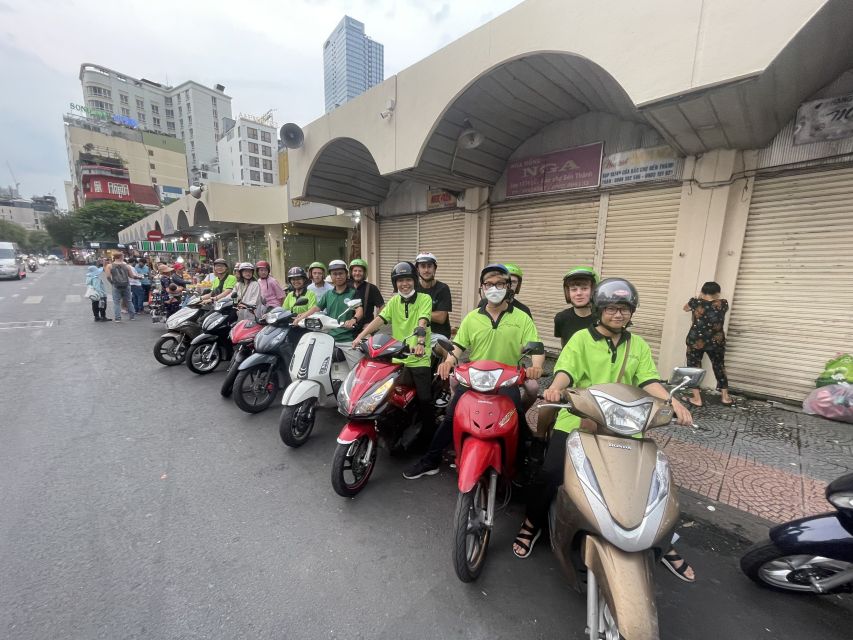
[496, 285]
[612, 310]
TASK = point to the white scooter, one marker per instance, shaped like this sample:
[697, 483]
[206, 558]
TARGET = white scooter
[317, 369]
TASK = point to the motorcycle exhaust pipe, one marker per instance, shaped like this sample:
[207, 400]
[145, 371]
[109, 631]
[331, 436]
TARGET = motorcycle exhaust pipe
[830, 583]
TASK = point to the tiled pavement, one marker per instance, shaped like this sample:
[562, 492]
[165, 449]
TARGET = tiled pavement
[758, 457]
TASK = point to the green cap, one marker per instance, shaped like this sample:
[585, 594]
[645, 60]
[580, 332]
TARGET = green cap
[581, 272]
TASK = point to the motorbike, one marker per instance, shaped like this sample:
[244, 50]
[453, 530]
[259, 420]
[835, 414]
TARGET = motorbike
[616, 511]
[811, 555]
[262, 374]
[213, 345]
[486, 441]
[182, 327]
[242, 338]
[379, 400]
[317, 370]
[32, 265]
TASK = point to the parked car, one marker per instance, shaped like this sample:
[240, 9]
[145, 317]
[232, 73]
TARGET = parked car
[10, 266]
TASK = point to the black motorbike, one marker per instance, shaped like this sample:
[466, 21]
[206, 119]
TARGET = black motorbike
[182, 326]
[264, 373]
[32, 265]
[811, 555]
[213, 344]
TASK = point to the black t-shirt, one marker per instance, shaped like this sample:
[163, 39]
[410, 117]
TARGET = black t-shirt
[371, 298]
[567, 323]
[441, 301]
[515, 303]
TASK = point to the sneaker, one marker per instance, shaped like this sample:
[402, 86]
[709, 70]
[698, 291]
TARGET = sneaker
[420, 468]
[117, 320]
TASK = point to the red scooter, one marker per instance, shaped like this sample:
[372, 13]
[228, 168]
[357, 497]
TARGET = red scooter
[380, 404]
[485, 437]
[243, 338]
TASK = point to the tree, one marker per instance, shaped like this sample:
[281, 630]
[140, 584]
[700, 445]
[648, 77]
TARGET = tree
[38, 242]
[61, 229]
[101, 221]
[13, 232]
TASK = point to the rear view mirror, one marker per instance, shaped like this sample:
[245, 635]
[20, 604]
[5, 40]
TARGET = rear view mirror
[685, 377]
[533, 349]
[234, 296]
[300, 301]
[355, 303]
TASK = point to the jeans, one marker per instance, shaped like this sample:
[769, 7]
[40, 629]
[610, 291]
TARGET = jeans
[118, 296]
[137, 293]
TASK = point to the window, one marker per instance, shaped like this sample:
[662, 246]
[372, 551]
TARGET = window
[189, 107]
[140, 103]
[267, 151]
[255, 175]
[265, 136]
[168, 102]
[181, 122]
[187, 94]
[151, 165]
[151, 152]
[140, 116]
[192, 145]
[252, 133]
[268, 165]
[213, 100]
[193, 155]
[170, 126]
[190, 120]
[215, 115]
[191, 132]
[179, 98]
[100, 92]
[155, 109]
[125, 111]
[254, 162]
[253, 147]
[181, 111]
[268, 178]
[100, 104]
[153, 180]
[156, 122]
[170, 113]
[123, 98]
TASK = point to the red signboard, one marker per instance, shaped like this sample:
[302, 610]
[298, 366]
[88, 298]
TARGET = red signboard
[154, 235]
[106, 188]
[576, 168]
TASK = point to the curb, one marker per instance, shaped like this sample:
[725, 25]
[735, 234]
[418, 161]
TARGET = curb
[746, 526]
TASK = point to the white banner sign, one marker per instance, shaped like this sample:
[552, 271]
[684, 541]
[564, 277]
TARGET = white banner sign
[827, 119]
[640, 165]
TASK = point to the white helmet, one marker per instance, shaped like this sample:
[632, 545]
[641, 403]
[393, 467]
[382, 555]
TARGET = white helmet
[245, 265]
[338, 264]
[426, 257]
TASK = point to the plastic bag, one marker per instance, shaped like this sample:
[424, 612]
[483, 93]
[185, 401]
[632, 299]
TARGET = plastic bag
[837, 370]
[834, 401]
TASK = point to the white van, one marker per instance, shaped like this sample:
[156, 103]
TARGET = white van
[9, 265]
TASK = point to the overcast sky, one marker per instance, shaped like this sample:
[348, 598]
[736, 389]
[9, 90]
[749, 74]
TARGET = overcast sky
[267, 53]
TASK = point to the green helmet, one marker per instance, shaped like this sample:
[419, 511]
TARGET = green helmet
[358, 262]
[581, 272]
[514, 270]
[316, 265]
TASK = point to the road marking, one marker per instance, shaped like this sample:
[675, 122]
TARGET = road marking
[72, 298]
[33, 299]
[33, 324]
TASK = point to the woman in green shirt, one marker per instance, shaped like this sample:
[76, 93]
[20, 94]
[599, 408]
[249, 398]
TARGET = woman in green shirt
[297, 279]
[222, 284]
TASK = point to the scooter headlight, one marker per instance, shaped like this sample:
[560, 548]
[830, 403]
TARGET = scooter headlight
[483, 379]
[660, 483]
[582, 465]
[842, 499]
[627, 420]
[367, 405]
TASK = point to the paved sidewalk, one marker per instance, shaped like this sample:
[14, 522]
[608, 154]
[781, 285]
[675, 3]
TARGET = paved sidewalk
[757, 457]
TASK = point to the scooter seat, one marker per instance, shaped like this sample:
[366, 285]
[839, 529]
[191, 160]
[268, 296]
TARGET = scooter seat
[338, 355]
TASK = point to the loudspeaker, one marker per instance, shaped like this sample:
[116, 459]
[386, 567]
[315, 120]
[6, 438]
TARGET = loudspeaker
[292, 135]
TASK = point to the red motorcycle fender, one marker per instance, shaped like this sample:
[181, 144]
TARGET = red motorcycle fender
[354, 429]
[477, 456]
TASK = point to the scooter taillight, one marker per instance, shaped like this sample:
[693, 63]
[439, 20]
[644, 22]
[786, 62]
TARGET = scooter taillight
[402, 396]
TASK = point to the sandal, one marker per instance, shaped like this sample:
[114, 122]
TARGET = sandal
[526, 534]
[669, 560]
[693, 404]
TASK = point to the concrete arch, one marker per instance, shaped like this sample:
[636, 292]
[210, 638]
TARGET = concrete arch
[201, 217]
[183, 221]
[344, 173]
[168, 225]
[157, 226]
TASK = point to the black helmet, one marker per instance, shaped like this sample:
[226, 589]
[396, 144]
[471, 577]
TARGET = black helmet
[296, 272]
[615, 291]
[494, 267]
[403, 270]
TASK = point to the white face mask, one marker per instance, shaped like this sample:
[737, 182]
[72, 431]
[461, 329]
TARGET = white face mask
[495, 295]
[407, 296]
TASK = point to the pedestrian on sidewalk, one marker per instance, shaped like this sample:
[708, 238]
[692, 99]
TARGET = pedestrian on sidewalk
[94, 285]
[118, 274]
[707, 337]
[136, 291]
[144, 272]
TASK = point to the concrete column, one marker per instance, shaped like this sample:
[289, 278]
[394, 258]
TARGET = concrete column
[711, 225]
[476, 242]
[275, 248]
[370, 242]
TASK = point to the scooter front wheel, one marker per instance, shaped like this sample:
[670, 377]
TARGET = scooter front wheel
[297, 422]
[256, 388]
[169, 350]
[771, 567]
[470, 532]
[352, 465]
[203, 358]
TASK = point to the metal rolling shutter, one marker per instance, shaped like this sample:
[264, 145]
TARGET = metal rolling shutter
[398, 240]
[638, 245]
[793, 302]
[443, 234]
[545, 238]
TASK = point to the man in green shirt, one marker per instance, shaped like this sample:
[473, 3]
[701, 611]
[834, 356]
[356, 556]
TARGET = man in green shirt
[409, 314]
[221, 284]
[595, 356]
[497, 332]
[334, 304]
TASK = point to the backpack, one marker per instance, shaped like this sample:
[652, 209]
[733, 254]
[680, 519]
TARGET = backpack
[120, 277]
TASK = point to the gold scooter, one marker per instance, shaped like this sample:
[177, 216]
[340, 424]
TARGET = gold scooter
[616, 512]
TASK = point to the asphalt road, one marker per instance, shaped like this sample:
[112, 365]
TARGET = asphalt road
[137, 503]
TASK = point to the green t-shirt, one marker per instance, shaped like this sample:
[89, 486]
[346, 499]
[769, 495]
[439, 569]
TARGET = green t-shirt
[403, 317]
[500, 341]
[589, 358]
[230, 283]
[334, 304]
[291, 297]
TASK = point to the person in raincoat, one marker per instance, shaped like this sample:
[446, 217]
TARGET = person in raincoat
[97, 293]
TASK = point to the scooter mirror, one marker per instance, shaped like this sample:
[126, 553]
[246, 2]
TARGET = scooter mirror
[300, 301]
[533, 349]
[689, 377]
[234, 296]
[355, 303]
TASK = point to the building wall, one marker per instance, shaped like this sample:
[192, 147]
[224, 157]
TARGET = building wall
[352, 63]
[239, 164]
[20, 212]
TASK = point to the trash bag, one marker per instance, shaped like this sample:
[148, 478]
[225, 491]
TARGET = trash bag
[834, 401]
[839, 369]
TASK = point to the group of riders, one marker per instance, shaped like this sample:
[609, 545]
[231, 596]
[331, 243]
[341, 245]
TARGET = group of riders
[597, 348]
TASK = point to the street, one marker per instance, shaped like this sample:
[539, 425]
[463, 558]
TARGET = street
[138, 503]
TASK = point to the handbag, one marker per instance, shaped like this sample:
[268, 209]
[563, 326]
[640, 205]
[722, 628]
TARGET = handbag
[92, 294]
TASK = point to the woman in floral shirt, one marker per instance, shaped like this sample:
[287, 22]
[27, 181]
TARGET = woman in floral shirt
[706, 336]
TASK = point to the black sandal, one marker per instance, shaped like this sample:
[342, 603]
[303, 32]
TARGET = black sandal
[668, 560]
[526, 534]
